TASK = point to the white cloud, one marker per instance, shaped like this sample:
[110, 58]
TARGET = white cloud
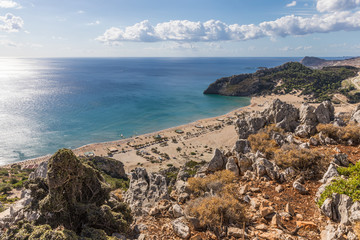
[9, 4]
[211, 31]
[97, 22]
[11, 23]
[336, 5]
[80, 12]
[292, 4]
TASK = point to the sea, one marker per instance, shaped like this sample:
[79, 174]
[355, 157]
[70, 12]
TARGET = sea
[52, 103]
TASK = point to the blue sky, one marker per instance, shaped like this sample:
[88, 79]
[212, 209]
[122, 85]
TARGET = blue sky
[182, 28]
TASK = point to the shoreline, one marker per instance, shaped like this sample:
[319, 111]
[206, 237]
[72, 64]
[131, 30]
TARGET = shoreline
[195, 143]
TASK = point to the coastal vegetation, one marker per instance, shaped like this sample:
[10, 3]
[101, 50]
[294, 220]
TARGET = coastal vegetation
[318, 84]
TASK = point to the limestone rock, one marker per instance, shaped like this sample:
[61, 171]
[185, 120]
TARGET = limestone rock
[356, 115]
[232, 166]
[218, 162]
[330, 173]
[300, 188]
[236, 232]
[177, 211]
[284, 115]
[325, 112]
[355, 212]
[180, 228]
[40, 171]
[242, 146]
[307, 114]
[145, 190]
[249, 125]
[341, 159]
[264, 167]
[244, 164]
[110, 166]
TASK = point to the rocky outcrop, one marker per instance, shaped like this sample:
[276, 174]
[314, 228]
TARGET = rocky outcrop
[40, 171]
[249, 125]
[355, 116]
[74, 196]
[111, 167]
[145, 190]
[282, 114]
[218, 162]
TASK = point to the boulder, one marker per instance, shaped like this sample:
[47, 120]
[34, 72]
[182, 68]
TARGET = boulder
[244, 164]
[110, 166]
[237, 233]
[299, 187]
[218, 162]
[177, 211]
[330, 173]
[325, 112]
[355, 212]
[145, 190]
[307, 115]
[242, 146]
[341, 159]
[305, 130]
[264, 167]
[232, 166]
[181, 229]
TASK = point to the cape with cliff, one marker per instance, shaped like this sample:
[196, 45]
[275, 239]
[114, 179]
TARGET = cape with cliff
[315, 78]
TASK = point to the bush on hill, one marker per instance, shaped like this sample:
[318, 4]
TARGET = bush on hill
[349, 133]
[348, 186]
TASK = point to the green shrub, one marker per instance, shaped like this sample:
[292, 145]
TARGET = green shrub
[349, 186]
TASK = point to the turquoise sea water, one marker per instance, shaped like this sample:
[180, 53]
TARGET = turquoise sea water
[46, 104]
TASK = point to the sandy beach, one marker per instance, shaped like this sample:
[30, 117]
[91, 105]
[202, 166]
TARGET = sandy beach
[194, 141]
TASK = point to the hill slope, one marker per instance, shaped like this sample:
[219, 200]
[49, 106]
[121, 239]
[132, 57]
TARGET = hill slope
[320, 84]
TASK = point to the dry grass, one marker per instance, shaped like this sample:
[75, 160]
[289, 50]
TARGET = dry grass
[214, 182]
[263, 142]
[341, 134]
[216, 212]
[356, 228]
[311, 162]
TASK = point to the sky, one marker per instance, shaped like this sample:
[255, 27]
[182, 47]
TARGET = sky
[181, 28]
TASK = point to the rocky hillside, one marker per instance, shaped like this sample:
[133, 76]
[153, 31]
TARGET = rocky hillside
[319, 85]
[319, 63]
[292, 174]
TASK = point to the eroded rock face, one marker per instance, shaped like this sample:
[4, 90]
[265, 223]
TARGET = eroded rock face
[217, 163]
[40, 172]
[356, 115]
[284, 115]
[325, 112]
[110, 166]
[145, 190]
[249, 125]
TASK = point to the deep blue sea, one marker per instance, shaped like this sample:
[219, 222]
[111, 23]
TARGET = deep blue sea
[47, 104]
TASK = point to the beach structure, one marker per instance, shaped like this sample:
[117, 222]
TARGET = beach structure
[89, 154]
[179, 131]
[113, 150]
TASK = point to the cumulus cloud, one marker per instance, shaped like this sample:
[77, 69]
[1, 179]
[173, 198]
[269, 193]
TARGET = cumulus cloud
[211, 31]
[9, 4]
[336, 5]
[292, 4]
[11, 23]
